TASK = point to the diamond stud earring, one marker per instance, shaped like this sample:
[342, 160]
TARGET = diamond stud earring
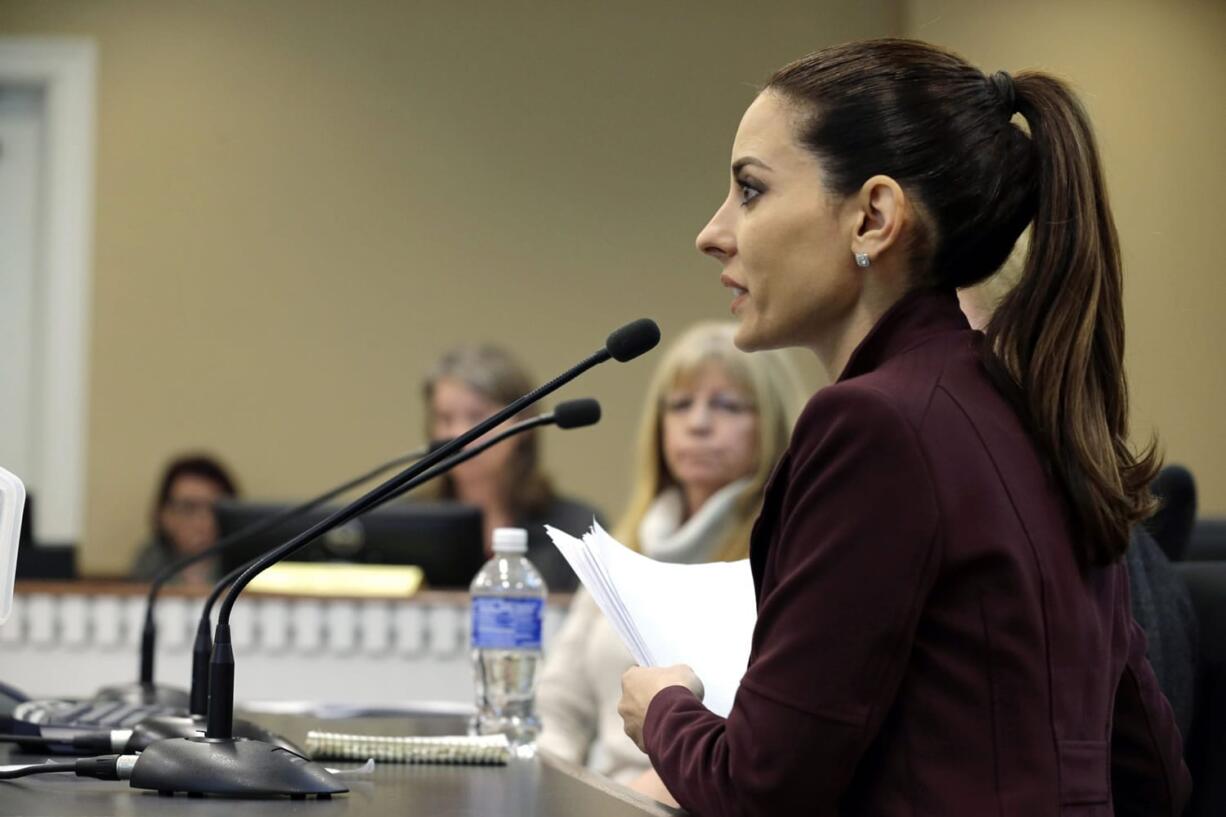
[862, 259]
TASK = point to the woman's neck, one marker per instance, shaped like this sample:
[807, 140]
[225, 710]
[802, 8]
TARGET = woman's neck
[484, 493]
[835, 348]
[695, 497]
[495, 509]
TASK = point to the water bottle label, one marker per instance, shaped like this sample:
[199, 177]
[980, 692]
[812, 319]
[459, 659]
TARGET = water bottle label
[507, 623]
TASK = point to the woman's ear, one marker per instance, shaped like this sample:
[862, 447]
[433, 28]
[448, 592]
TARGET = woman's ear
[881, 211]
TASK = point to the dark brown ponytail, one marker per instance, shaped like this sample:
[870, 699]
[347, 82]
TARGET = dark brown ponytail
[943, 130]
[1059, 334]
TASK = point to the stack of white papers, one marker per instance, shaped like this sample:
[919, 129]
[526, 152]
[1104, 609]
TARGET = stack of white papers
[702, 615]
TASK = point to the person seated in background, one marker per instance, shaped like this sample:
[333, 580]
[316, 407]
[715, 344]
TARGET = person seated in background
[715, 422]
[1175, 520]
[467, 385]
[1162, 605]
[183, 520]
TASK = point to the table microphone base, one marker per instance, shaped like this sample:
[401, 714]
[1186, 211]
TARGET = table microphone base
[145, 694]
[164, 727]
[234, 767]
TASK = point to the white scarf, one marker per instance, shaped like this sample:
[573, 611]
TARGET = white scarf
[662, 535]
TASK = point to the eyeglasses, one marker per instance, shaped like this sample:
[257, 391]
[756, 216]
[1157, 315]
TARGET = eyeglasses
[724, 404]
[189, 507]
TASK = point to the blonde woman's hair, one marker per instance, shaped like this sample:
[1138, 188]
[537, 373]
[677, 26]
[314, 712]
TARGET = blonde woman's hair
[768, 379]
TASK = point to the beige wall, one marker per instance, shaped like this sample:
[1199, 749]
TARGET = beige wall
[1150, 74]
[299, 204]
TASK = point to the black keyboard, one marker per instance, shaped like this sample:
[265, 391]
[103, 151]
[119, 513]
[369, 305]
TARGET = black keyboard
[88, 714]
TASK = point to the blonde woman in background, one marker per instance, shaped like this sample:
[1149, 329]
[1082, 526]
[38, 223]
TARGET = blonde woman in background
[715, 422]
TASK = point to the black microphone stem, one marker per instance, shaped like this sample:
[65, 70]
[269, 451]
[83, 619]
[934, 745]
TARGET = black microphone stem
[391, 486]
[221, 664]
[148, 641]
[203, 647]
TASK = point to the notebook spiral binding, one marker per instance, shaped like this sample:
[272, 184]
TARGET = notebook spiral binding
[483, 750]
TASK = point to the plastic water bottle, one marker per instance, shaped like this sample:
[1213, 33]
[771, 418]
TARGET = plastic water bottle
[508, 607]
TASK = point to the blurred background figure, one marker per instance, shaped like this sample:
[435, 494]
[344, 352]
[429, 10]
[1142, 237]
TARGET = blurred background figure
[466, 385]
[1173, 523]
[716, 421]
[183, 519]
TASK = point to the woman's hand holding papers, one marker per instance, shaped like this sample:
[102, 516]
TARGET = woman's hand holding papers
[640, 685]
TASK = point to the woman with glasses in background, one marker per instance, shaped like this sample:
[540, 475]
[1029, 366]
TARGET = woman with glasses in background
[715, 422]
[182, 517]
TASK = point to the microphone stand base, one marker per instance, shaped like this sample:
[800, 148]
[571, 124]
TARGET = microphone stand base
[164, 727]
[232, 767]
[148, 694]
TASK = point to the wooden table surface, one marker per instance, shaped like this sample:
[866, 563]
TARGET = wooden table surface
[542, 785]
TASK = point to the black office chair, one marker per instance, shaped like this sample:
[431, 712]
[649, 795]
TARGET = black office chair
[1206, 741]
[1171, 525]
[1208, 541]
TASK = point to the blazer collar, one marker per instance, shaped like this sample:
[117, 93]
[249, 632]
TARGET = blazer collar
[916, 317]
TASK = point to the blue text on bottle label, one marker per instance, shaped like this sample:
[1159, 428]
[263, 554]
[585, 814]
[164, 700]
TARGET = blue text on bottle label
[507, 623]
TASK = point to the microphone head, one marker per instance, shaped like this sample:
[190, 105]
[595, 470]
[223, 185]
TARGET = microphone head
[577, 413]
[633, 339]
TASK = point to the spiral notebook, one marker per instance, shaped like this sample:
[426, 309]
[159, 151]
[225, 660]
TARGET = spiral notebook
[666, 613]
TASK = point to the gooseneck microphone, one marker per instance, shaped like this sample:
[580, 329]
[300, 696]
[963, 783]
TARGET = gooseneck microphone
[571, 414]
[622, 345]
[216, 762]
[185, 764]
[576, 414]
[567, 415]
[144, 691]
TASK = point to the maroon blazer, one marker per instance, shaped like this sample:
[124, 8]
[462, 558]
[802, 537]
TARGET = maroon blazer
[926, 643]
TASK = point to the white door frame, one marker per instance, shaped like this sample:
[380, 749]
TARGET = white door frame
[65, 69]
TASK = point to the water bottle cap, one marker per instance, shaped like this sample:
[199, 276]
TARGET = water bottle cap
[510, 540]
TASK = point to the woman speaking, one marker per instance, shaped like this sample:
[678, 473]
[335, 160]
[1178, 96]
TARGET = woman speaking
[943, 617]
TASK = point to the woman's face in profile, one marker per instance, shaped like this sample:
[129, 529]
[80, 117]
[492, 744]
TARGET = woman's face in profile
[187, 518]
[783, 240]
[455, 408]
[709, 431]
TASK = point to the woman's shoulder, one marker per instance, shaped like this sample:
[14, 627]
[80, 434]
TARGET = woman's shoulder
[901, 395]
[848, 406]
